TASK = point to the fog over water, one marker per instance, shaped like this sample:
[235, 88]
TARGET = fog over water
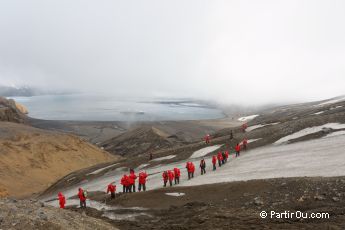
[243, 52]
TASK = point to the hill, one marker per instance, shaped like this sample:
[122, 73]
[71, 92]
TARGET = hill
[140, 141]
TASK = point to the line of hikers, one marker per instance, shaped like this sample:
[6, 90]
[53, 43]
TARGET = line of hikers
[128, 181]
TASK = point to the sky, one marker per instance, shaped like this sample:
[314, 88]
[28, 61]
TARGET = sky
[244, 51]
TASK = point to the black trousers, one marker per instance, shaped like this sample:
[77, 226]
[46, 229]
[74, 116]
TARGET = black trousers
[112, 195]
[142, 186]
[220, 163]
[177, 180]
[124, 188]
[165, 183]
[214, 167]
[83, 204]
[238, 154]
[203, 171]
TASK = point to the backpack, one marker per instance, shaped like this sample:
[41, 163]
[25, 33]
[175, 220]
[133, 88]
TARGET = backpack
[85, 194]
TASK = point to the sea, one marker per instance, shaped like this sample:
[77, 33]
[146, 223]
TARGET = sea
[85, 107]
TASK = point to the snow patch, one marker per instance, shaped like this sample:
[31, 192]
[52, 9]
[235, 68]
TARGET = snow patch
[253, 140]
[251, 128]
[337, 107]
[205, 151]
[308, 131]
[332, 101]
[164, 158]
[127, 217]
[247, 118]
[335, 134]
[175, 194]
[321, 112]
[101, 169]
[142, 166]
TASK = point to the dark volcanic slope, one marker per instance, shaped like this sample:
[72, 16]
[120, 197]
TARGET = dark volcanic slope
[140, 141]
[236, 205]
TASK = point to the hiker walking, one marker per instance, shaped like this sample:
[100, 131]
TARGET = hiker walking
[62, 200]
[111, 189]
[82, 197]
[142, 181]
[177, 174]
[214, 162]
[165, 178]
[203, 166]
[238, 150]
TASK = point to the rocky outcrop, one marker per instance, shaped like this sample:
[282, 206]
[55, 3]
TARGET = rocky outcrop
[29, 214]
[11, 111]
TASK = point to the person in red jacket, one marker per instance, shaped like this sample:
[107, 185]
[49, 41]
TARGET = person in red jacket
[238, 150]
[220, 159]
[132, 177]
[82, 197]
[214, 162]
[142, 181]
[226, 155]
[111, 189]
[165, 178]
[124, 182]
[192, 169]
[177, 174]
[207, 139]
[171, 177]
[244, 143]
[62, 200]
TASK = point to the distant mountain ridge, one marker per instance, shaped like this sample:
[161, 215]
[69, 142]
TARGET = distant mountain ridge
[26, 91]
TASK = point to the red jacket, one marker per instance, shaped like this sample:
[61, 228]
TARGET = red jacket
[81, 195]
[132, 177]
[177, 172]
[226, 154]
[124, 180]
[237, 148]
[192, 166]
[142, 178]
[220, 156]
[165, 176]
[214, 160]
[111, 188]
[62, 200]
[171, 175]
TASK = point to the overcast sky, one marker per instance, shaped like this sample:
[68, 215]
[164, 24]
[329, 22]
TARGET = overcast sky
[232, 51]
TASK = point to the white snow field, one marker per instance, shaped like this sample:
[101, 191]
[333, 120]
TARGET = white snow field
[205, 151]
[248, 118]
[319, 157]
[308, 131]
[164, 158]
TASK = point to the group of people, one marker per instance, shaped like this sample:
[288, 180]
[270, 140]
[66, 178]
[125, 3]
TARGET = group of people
[128, 181]
[170, 176]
